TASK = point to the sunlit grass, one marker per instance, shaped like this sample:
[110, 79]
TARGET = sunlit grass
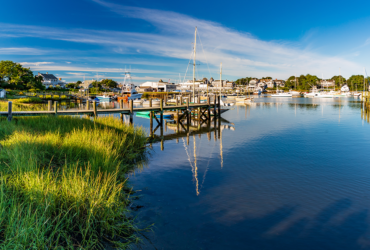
[62, 182]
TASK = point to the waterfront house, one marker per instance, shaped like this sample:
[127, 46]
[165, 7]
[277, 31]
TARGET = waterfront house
[253, 83]
[49, 80]
[327, 83]
[203, 83]
[87, 84]
[279, 83]
[159, 86]
[2, 93]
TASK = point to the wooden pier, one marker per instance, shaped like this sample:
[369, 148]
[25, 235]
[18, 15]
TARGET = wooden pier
[201, 111]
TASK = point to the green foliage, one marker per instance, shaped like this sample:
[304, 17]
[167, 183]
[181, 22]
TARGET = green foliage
[29, 100]
[109, 83]
[15, 74]
[357, 81]
[243, 81]
[73, 85]
[62, 182]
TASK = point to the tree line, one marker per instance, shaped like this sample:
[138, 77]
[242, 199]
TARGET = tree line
[305, 82]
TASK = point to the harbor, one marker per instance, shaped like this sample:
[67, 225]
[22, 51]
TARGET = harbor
[148, 125]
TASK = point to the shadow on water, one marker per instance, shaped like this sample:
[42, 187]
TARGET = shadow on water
[332, 228]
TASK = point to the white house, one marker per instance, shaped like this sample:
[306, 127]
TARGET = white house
[2, 93]
[159, 86]
[49, 80]
[253, 83]
[87, 84]
[279, 83]
[327, 83]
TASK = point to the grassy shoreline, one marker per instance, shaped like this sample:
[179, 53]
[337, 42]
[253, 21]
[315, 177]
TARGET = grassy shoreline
[63, 182]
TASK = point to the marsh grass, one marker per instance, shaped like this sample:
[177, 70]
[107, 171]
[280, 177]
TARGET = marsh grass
[62, 182]
[21, 106]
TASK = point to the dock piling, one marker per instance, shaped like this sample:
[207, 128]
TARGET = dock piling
[95, 110]
[50, 103]
[10, 111]
[56, 108]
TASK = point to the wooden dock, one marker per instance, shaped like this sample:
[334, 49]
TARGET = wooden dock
[201, 110]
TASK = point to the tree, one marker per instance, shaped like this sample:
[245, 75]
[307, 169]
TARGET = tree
[339, 80]
[243, 81]
[109, 83]
[14, 73]
[36, 83]
[358, 81]
[96, 84]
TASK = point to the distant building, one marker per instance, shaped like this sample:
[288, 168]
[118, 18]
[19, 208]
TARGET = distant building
[49, 80]
[159, 86]
[203, 83]
[87, 84]
[279, 83]
[268, 82]
[2, 93]
[253, 83]
[223, 83]
[327, 83]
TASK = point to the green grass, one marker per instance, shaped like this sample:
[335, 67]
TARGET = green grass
[63, 182]
[21, 106]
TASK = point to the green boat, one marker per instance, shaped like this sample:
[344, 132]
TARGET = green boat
[143, 113]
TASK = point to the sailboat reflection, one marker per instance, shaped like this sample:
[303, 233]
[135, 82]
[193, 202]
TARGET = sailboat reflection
[195, 127]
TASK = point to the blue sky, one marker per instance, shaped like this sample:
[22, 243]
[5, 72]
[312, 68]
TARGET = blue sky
[98, 38]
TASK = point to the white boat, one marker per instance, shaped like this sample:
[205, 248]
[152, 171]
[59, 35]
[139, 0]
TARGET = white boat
[295, 93]
[155, 102]
[104, 98]
[225, 104]
[128, 88]
[282, 95]
[138, 102]
[244, 100]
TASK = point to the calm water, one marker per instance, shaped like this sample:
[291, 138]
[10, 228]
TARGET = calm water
[284, 174]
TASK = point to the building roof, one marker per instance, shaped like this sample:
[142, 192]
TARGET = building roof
[48, 77]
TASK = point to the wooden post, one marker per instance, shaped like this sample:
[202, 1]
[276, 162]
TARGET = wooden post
[209, 108]
[131, 111]
[95, 110]
[219, 106]
[162, 144]
[50, 104]
[215, 128]
[215, 107]
[121, 117]
[10, 111]
[87, 104]
[56, 108]
[150, 102]
[151, 123]
[161, 119]
[181, 101]
[121, 103]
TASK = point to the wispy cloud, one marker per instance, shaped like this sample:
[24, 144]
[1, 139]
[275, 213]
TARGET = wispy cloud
[241, 53]
[21, 51]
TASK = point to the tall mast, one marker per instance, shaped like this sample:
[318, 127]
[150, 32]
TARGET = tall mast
[195, 50]
[220, 79]
[364, 78]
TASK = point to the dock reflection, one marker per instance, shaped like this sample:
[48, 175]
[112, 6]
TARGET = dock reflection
[184, 131]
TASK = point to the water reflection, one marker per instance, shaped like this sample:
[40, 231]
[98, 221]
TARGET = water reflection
[184, 131]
